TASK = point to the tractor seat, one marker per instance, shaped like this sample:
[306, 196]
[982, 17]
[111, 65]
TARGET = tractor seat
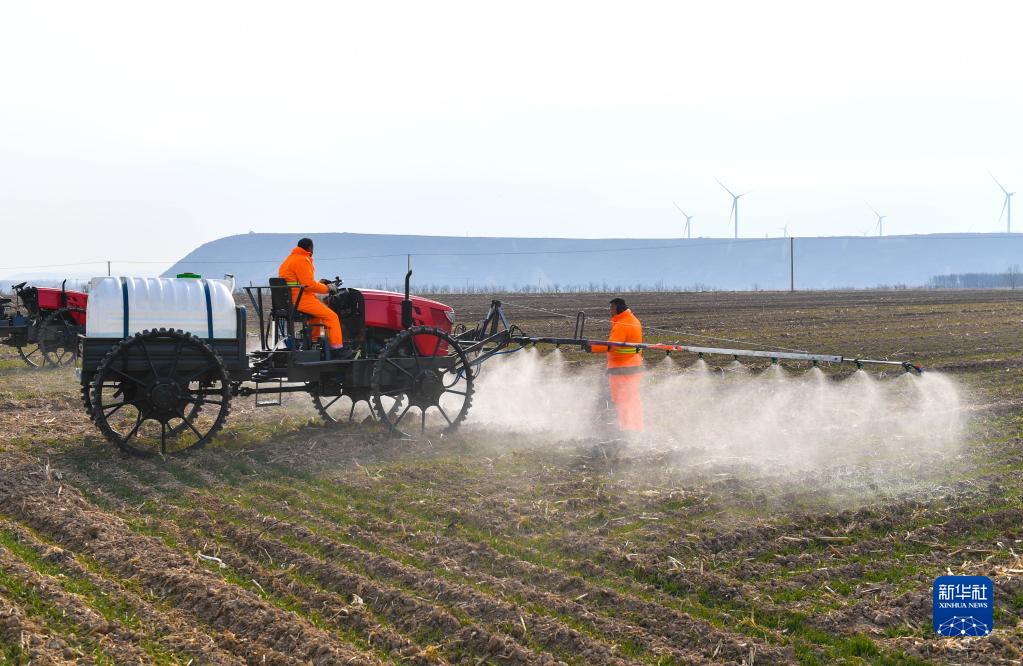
[281, 304]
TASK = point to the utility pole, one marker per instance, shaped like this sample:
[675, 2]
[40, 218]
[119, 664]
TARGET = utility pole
[792, 263]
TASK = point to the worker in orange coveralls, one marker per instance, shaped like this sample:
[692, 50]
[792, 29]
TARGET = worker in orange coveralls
[298, 270]
[624, 366]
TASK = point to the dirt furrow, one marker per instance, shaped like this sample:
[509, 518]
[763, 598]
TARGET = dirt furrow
[607, 628]
[176, 632]
[553, 634]
[653, 617]
[277, 636]
[90, 628]
[405, 611]
[680, 628]
[938, 541]
[996, 648]
[211, 528]
[23, 640]
[333, 609]
[659, 629]
[336, 611]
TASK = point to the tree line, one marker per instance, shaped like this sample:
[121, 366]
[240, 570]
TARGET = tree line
[1010, 279]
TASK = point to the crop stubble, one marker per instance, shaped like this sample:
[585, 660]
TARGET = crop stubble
[340, 546]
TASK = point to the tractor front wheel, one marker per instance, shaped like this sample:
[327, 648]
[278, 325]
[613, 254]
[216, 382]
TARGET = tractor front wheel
[58, 339]
[422, 378]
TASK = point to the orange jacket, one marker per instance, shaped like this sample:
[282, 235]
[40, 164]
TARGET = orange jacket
[624, 328]
[298, 269]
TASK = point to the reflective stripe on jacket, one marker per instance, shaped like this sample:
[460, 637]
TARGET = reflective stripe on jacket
[625, 327]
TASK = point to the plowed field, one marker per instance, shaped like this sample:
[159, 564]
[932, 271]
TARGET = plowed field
[286, 541]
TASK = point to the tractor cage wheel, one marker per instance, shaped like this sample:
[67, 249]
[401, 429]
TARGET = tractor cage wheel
[406, 376]
[57, 338]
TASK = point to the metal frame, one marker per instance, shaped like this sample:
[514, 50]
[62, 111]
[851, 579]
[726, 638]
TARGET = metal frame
[487, 332]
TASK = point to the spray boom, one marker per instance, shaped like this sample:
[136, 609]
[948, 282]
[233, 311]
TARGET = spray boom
[775, 356]
[494, 333]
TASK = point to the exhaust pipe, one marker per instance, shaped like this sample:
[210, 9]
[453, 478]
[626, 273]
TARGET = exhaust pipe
[406, 305]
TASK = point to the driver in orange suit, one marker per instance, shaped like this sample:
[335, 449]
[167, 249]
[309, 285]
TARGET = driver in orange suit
[299, 271]
[624, 366]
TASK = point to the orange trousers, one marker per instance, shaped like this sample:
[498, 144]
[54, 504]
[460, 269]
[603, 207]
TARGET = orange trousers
[323, 315]
[625, 395]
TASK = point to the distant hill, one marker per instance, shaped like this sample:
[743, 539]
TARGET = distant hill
[377, 260]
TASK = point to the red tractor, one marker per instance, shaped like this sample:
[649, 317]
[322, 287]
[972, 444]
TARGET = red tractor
[44, 324]
[163, 358]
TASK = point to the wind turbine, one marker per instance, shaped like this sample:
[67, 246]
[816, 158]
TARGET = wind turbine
[688, 230]
[1007, 206]
[880, 220]
[735, 206]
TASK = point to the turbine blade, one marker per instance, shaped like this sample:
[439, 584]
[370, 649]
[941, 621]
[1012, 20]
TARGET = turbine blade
[725, 188]
[680, 210]
[1005, 204]
[997, 183]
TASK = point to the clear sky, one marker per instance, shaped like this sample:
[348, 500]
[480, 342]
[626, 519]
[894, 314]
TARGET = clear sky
[137, 130]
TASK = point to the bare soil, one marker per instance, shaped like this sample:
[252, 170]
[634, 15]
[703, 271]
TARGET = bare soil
[287, 541]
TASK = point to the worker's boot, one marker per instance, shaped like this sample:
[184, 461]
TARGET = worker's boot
[342, 354]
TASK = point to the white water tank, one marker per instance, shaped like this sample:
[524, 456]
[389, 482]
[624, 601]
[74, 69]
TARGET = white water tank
[120, 307]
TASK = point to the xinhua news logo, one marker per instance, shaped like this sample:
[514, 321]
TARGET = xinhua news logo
[964, 606]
